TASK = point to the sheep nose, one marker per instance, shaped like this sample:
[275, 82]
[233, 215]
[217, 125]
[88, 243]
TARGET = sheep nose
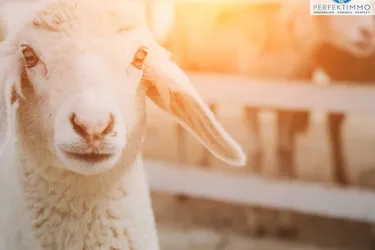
[92, 132]
[366, 33]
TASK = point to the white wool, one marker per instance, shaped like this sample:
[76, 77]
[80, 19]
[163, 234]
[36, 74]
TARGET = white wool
[11, 21]
[132, 212]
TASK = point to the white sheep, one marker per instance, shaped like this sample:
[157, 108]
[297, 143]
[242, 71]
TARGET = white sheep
[80, 72]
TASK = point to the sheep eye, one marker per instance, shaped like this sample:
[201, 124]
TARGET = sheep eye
[31, 59]
[139, 58]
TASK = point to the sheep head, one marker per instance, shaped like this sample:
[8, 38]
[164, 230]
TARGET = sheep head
[355, 34]
[84, 69]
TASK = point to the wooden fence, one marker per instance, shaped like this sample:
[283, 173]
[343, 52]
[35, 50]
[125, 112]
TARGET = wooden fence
[311, 198]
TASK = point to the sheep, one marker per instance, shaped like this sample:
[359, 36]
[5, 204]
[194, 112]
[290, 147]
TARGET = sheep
[278, 41]
[79, 72]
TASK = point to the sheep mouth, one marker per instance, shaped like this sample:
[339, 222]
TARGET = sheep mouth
[89, 157]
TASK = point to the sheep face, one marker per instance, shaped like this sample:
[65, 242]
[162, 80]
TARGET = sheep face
[85, 95]
[84, 85]
[355, 34]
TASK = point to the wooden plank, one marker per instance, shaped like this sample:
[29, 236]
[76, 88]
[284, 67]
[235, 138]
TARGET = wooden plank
[302, 95]
[310, 198]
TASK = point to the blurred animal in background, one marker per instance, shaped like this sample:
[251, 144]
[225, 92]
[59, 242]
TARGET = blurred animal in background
[277, 41]
[274, 41]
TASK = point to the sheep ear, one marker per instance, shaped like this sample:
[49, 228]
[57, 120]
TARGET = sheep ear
[170, 89]
[9, 81]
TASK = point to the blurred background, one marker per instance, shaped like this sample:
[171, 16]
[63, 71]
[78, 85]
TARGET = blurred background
[296, 92]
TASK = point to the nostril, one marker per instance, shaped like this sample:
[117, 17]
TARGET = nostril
[366, 33]
[111, 123]
[78, 127]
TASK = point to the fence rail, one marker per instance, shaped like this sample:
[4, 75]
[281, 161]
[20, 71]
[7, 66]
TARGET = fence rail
[298, 95]
[311, 198]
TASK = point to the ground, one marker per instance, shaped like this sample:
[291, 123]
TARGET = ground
[208, 225]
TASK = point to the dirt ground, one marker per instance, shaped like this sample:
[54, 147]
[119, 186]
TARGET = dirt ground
[205, 224]
[210, 225]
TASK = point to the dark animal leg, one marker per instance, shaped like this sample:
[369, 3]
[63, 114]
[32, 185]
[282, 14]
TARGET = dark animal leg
[335, 123]
[205, 159]
[285, 164]
[289, 124]
[252, 121]
[285, 144]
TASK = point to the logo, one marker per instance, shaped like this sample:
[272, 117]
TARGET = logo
[341, 7]
[342, 1]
